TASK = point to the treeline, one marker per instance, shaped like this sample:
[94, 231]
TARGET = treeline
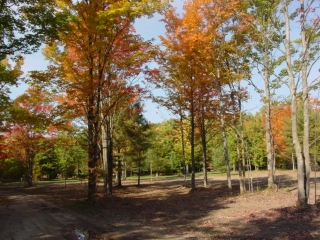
[143, 148]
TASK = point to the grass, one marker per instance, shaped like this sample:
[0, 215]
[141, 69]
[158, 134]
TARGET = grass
[132, 178]
[23, 183]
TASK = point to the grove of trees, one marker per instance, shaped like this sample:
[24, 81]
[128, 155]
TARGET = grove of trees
[83, 116]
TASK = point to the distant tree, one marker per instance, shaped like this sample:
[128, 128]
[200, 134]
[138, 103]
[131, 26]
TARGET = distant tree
[48, 162]
[255, 133]
[136, 128]
[29, 125]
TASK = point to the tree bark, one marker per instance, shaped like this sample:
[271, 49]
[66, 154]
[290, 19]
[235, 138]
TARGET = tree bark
[225, 140]
[109, 162]
[92, 154]
[240, 155]
[192, 122]
[302, 177]
[305, 97]
[267, 105]
[204, 152]
[183, 149]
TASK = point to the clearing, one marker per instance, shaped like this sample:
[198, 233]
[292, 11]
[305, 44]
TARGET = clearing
[162, 209]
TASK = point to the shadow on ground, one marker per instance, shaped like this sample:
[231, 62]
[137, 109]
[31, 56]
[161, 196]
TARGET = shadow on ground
[169, 210]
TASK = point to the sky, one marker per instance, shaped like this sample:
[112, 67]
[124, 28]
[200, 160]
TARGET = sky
[148, 28]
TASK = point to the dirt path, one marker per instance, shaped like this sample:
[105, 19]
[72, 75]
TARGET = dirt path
[159, 210]
[24, 216]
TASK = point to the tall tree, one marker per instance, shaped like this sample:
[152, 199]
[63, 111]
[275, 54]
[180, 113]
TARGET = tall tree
[97, 54]
[195, 49]
[299, 70]
[266, 26]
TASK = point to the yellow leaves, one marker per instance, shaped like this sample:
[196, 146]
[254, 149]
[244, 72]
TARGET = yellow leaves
[201, 44]
[132, 9]
[19, 61]
[15, 70]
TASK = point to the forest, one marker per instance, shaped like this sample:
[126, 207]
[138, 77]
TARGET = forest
[82, 117]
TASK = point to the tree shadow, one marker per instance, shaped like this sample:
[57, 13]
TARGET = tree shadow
[178, 214]
[280, 223]
[167, 209]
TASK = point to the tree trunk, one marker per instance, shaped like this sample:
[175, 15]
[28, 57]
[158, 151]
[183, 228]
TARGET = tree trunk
[139, 169]
[267, 105]
[192, 122]
[119, 173]
[302, 177]
[104, 157]
[151, 169]
[29, 175]
[242, 182]
[124, 170]
[204, 153]
[293, 161]
[183, 149]
[157, 167]
[109, 162]
[305, 97]
[92, 154]
[225, 140]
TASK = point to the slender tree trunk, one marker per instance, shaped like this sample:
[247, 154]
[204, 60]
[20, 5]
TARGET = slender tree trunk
[124, 170]
[139, 169]
[183, 149]
[305, 97]
[243, 155]
[267, 105]
[151, 169]
[109, 162]
[242, 181]
[104, 157]
[119, 169]
[29, 177]
[293, 161]
[204, 153]
[157, 167]
[225, 140]
[92, 156]
[192, 122]
[302, 191]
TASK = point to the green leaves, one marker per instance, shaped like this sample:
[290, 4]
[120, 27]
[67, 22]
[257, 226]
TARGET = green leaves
[26, 24]
[8, 77]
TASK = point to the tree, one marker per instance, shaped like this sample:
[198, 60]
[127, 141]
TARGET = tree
[136, 128]
[48, 163]
[97, 54]
[253, 125]
[266, 27]
[308, 55]
[279, 120]
[30, 123]
[198, 61]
